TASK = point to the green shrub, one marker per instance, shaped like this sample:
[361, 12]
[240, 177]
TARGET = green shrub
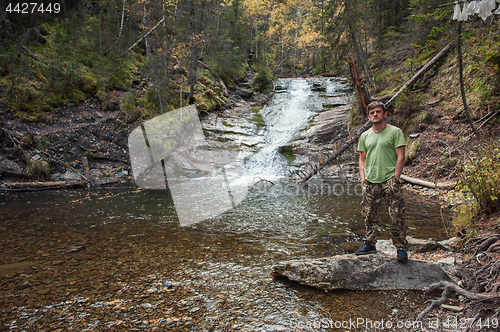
[464, 221]
[411, 150]
[263, 80]
[38, 169]
[408, 111]
[480, 175]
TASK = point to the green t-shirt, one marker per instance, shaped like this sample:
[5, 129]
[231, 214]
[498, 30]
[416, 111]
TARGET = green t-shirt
[380, 152]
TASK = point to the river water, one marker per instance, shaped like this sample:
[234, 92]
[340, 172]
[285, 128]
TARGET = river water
[116, 258]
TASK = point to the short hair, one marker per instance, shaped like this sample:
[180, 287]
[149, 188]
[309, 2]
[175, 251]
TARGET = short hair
[374, 104]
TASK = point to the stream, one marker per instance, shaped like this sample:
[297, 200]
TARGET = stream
[116, 258]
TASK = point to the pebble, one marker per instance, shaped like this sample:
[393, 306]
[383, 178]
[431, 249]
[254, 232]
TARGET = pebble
[167, 284]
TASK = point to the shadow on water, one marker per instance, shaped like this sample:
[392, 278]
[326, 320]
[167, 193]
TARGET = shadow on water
[122, 244]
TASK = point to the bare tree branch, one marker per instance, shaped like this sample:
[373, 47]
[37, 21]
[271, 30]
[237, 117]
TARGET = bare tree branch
[121, 29]
[140, 39]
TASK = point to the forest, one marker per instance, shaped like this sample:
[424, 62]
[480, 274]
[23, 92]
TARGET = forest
[86, 49]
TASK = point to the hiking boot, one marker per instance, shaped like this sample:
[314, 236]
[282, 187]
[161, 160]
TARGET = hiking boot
[402, 255]
[366, 249]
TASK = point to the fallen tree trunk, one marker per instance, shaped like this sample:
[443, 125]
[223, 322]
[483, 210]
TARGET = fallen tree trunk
[315, 169]
[27, 186]
[360, 92]
[140, 39]
[428, 184]
[31, 54]
[423, 70]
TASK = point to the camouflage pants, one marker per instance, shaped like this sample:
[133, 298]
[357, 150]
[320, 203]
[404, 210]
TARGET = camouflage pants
[390, 190]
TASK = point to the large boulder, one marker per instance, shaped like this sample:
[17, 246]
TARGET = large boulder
[368, 272]
[328, 125]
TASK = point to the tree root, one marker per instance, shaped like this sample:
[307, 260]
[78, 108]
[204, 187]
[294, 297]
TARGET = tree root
[449, 289]
[481, 244]
[481, 283]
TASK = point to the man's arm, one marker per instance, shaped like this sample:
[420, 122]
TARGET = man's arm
[362, 160]
[400, 163]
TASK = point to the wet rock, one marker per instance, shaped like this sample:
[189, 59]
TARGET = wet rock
[327, 125]
[369, 272]
[349, 246]
[333, 105]
[244, 93]
[76, 248]
[419, 245]
[318, 87]
[19, 267]
[167, 284]
[71, 176]
[11, 168]
[121, 174]
[43, 291]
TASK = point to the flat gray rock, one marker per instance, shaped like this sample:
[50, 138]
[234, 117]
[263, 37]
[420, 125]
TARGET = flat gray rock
[368, 272]
[417, 245]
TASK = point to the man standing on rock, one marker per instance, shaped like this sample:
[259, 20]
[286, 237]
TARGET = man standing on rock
[381, 161]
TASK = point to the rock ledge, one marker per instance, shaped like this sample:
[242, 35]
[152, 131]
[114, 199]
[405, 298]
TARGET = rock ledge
[369, 272]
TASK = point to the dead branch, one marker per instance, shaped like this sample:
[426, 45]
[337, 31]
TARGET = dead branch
[338, 152]
[11, 137]
[462, 86]
[221, 82]
[63, 163]
[494, 113]
[360, 91]
[281, 62]
[423, 70]
[35, 186]
[260, 181]
[121, 29]
[140, 39]
[31, 54]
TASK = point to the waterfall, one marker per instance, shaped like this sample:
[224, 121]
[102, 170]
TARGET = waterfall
[287, 114]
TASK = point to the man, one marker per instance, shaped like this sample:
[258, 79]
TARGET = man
[381, 161]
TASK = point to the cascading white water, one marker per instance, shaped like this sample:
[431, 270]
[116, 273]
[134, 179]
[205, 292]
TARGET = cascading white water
[286, 115]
